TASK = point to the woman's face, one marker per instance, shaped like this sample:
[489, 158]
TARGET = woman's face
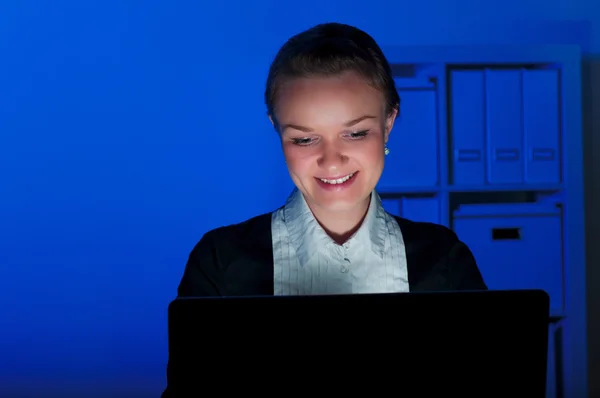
[333, 133]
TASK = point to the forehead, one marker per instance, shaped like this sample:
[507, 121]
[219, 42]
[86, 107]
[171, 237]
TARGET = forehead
[327, 100]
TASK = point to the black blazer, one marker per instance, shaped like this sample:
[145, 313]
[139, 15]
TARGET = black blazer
[237, 260]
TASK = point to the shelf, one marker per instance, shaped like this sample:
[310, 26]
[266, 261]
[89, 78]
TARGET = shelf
[488, 143]
[401, 191]
[506, 188]
[521, 188]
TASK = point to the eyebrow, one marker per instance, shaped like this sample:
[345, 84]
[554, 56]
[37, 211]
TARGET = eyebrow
[308, 130]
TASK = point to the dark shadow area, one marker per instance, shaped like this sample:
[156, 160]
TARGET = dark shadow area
[591, 161]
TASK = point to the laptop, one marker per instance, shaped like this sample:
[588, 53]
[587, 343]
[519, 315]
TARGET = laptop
[407, 344]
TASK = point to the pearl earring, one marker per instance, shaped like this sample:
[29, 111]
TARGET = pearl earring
[386, 150]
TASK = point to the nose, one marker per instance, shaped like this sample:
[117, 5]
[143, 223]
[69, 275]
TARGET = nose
[332, 157]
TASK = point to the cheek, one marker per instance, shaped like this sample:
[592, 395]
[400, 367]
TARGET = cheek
[296, 160]
[371, 156]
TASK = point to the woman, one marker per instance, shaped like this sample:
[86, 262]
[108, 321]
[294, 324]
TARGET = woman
[332, 99]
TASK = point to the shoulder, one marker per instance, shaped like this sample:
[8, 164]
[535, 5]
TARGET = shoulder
[226, 244]
[416, 230]
[437, 258]
[426, 233]
[248, 232]
[230, 260]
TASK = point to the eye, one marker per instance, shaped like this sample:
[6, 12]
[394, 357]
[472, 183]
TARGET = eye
[301, 141]
[358, 135]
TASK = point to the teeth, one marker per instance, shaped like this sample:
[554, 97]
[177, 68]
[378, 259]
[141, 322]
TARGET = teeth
[339, 180]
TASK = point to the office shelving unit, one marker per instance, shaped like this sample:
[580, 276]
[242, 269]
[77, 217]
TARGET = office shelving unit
[489, 143]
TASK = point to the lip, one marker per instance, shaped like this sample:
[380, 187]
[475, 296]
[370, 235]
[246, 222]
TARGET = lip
[336, 177]
[337, 187]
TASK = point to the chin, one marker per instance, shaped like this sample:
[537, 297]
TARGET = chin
[339, 205]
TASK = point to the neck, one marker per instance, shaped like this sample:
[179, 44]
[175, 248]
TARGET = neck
[340, 226]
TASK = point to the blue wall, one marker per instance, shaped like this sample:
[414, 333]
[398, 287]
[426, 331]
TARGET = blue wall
[128, 129]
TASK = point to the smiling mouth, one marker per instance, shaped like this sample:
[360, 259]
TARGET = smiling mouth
[338, 180]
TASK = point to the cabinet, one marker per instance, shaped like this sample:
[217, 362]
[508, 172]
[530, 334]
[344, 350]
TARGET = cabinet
[414, 207]
[489, 143]
[517, 246]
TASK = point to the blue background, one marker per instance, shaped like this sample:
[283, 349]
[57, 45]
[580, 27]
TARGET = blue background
[130, 128]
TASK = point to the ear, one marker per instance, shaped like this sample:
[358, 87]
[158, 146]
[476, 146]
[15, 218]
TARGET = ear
[389, 124]
[274, 123]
